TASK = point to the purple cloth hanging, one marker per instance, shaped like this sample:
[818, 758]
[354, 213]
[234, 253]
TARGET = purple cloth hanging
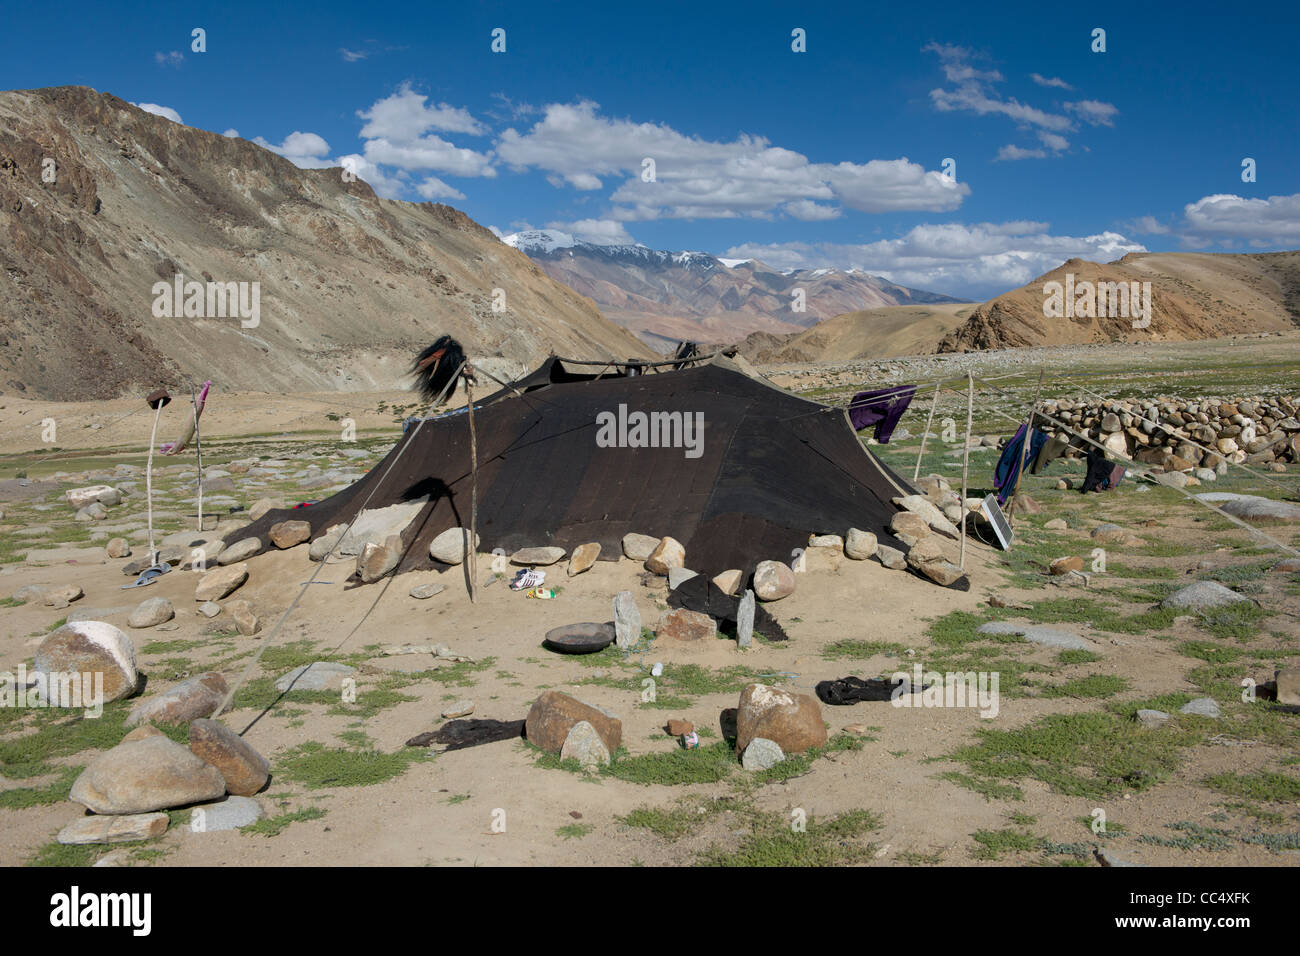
[882, 407]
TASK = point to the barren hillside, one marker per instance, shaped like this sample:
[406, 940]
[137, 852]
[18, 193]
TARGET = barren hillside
[867, 334]
[1193, 296]
[350, 284]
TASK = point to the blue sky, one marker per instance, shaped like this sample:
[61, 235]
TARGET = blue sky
[829, 157]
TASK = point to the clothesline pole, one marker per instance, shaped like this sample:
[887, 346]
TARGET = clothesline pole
[925, 434]
[472, 562]
[965, 461]
[1024, 447]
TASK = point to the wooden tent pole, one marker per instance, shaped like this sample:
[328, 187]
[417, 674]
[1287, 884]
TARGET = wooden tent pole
[472, 555]
[965, 460]
[1024, 447]
[925, 434]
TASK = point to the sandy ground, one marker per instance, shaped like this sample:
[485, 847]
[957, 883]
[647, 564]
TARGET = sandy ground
[443, 810]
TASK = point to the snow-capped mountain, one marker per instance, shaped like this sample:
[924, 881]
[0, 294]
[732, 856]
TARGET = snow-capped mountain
[663, 295]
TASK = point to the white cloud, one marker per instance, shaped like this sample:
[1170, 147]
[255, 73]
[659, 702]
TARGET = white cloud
[1053, 141]
[1050, 81]
[980, 260]
[164, 111]
[435, 188]
[1147, 226]
[809, 211]
[304, 150]
[698, 178]
[351, 56]
[403, 117]
[231, 133]
[388, 187]
[974, 92]
[429, 152]
[1224, 217]
[1012, 152]
[175, 58]
[1094, 112]
[602, 232]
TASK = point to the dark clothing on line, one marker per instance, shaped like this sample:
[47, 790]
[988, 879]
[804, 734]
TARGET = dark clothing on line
[1008, 467]
[877, 408]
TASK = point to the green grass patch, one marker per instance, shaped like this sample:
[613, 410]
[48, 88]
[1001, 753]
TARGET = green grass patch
[274, 826]
[1265, 786]
[774, 840]
[862, 650]
[316, 766]
[1092, 755]
[1088, 688]
[994, 843]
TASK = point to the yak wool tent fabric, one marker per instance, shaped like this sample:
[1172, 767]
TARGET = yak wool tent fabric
[882, 407]
[735, 468]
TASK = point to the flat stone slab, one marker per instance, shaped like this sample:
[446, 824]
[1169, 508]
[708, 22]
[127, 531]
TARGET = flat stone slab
[1037, 634]
[318, 675]
[1202, 707]
[376, 524]
[1250, 507]
[537, 556]
[121, 828]
[230, 814]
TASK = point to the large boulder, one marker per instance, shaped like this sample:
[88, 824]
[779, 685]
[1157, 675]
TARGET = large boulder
[243, 768]
[376, 524]
[773, 581]
[151, 612]
[920, 505]
[91, 647]
[153, 773]
[860, 545]
[638, 547]
[584, 744]
[668, 554]
[451, 546]
[241, 550]
[80, 498]
[219, 582]
[1202, 595]
[197, 697]
[792, 721]
[289, 534]
[909, 527]
[686, 625]
[554, 714]
[583, 557]
[378, 560]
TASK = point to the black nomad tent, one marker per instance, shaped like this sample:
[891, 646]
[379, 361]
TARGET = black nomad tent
[735, 468]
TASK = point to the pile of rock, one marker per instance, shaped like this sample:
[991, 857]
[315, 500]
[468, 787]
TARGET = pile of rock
[128, 789]
[564, 725]
[771, 723]
[1166, 431]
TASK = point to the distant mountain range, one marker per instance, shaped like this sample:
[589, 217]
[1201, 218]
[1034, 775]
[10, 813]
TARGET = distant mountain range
[666, 296]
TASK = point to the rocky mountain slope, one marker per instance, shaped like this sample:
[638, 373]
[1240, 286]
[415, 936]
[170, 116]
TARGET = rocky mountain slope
[666, 296]
[99, 201]
[1193, 296]
[867, 334]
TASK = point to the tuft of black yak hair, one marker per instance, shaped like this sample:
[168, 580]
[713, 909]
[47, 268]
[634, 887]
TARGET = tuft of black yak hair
[436, 366]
